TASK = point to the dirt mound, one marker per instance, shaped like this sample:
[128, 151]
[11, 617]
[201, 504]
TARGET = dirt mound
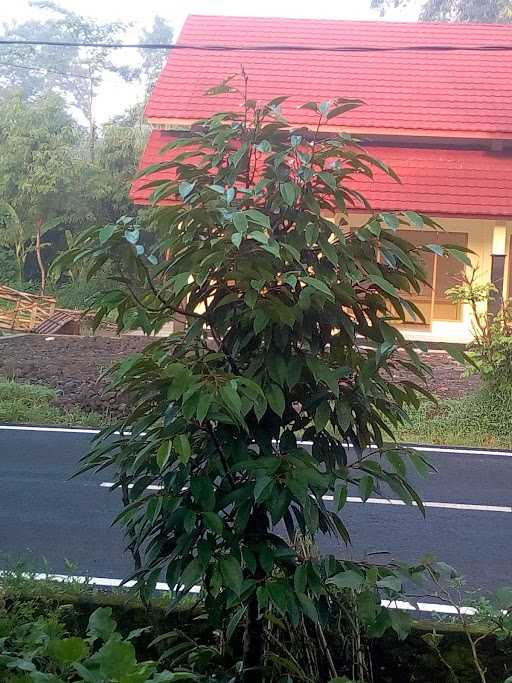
[73, 365]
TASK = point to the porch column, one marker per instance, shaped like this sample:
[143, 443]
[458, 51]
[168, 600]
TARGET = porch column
[499, 250]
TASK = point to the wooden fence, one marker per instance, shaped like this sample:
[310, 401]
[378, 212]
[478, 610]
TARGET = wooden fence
[23, 311]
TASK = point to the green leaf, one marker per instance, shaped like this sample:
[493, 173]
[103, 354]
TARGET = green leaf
[213, 522]
[68, 650]
[308, 607]
[116, 659]
[182, 447]
[436, 248]
[192, 574]
[231, 398]
[163, 454]
[261, 487]
[234, 621]
[300, 579]
[106, 233]
[347, 579]
[392, 222]
[258, 217]
[340, 496]
[415, 219]
[366, 484]
[236, 238]
[101, 624]
[275, 397]
[185, 188]
[319, 286]
[258, 236]
[322, 415]
[391, 582]
[401, 623]
[289, 192]
[154, 508]
[343, 108]
[231, 573]
[203, 405]
[240, 222]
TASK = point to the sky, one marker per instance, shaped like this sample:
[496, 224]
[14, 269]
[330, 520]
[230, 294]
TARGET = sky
[115, 95]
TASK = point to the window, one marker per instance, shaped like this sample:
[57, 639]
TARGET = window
[443, 272]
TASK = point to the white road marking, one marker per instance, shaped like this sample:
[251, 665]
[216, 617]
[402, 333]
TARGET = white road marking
[426, 449]
[61, 430]
[151, 487]
[377, 501]
[429, 504]
[161, 586]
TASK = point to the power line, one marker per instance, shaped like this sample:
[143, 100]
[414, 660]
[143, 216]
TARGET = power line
[265, 48]
[42, 69]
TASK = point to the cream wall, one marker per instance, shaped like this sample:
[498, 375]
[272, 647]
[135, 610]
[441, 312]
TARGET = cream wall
[481, 233]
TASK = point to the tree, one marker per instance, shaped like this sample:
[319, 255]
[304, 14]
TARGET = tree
[153, 60]
[483, 11]
[289, 340]
[74, 73]
[37, 141]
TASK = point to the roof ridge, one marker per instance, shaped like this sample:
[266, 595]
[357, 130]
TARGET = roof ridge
[376, 22]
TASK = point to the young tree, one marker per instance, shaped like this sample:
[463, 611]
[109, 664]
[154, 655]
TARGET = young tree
[289, 340]
[479, 11]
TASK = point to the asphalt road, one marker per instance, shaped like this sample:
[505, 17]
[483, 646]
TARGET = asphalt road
[53, 523]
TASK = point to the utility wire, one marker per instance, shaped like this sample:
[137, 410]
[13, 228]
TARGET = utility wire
[42, 69]
[266, 48]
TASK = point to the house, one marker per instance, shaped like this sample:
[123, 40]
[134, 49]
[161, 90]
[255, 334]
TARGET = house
[442, 119]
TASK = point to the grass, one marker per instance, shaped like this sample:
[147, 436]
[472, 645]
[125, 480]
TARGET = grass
[35, 404]
[480, 420]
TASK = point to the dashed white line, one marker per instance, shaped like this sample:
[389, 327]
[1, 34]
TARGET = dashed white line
[379, 501]
[151, 487]
[161, 586]
[429, 504]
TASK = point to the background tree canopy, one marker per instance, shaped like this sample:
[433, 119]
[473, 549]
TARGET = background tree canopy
[50, 143]
[484, 11]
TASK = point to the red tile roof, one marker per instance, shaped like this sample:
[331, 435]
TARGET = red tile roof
[461, 94]
[441, 182]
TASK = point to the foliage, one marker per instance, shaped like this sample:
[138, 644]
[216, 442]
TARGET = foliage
[480, 11]
[35, 404]
[491, 349]
[288, 335]
[34, 171]
[482, 419]
[421, 657]
[40, 651]
[43, 159]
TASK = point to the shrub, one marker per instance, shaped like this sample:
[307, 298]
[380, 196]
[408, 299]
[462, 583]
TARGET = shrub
[41, 651]
[491, 349]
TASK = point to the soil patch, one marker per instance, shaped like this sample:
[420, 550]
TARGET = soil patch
[73, 366]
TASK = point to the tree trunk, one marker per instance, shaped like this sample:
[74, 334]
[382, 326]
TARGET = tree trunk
[39, 256]
[254, 637]
[254, 642]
